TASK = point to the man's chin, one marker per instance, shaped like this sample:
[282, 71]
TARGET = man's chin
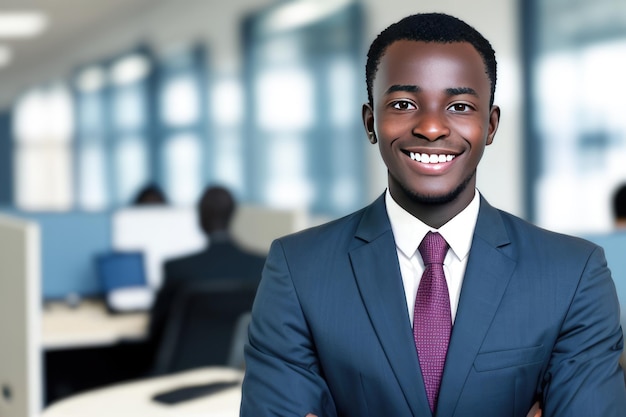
[439, 198]
[433, 199]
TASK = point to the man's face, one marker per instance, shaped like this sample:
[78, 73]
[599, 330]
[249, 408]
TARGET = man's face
[432, 120]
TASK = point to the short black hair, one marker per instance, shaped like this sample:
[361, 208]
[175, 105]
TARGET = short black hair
[216, 208]
[430, 27]
[150, 194]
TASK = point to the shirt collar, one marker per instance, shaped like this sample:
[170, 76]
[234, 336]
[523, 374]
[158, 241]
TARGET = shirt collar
[408, 231]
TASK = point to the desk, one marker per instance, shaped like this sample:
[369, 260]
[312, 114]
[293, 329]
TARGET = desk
[134, 398]
[89, 325]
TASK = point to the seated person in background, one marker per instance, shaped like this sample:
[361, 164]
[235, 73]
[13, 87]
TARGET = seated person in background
[150, 194]
[222, 259]
[619, 207]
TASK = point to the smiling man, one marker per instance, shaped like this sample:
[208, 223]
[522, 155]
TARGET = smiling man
[430, 302]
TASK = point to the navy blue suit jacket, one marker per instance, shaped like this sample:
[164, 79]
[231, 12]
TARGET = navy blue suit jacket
[538, 318]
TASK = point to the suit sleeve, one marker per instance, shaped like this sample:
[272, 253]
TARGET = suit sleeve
[584, 378]
[283, 376]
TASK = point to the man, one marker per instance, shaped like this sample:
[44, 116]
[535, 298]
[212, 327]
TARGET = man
[360, 318]
[222, 259]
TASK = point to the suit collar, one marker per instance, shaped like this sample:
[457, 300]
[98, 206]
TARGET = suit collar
[490, 226]
[374, 221]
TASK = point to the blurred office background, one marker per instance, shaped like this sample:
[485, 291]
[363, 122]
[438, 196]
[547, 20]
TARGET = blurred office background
[100, 98]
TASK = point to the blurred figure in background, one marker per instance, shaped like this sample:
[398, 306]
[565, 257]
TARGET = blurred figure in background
[619, 207]
[223, 258]
[150, 194]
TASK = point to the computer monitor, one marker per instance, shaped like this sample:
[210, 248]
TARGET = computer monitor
[20, 331]
[160, 233]
[120, 270]
[123, 279]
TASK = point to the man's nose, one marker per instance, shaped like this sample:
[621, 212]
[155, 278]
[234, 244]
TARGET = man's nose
[430, 125]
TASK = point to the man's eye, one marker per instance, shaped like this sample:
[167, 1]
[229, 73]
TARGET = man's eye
[460, 107]
[403, 105]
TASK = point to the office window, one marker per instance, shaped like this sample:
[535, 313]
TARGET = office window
[227, 115]
[304, 142]
[130, 128]
[93, 168]
[184, 151]
[42, 130]
[114, 154]
[181, 104]
[131, 160]
[578, 140]
[92, 181]
[183, 163]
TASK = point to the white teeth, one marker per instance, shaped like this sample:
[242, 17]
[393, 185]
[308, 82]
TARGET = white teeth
[430, 159]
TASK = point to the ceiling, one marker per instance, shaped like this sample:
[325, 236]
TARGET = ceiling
[72, 24]
[80, 32]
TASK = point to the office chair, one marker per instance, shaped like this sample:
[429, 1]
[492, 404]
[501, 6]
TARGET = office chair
[202, 326]
[240, 337]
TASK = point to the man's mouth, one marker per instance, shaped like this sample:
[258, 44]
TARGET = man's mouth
[430, 158]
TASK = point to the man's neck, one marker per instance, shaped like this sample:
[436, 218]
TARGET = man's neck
[219, 236]
[434, 215]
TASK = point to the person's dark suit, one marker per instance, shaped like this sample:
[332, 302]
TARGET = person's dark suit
[538, 317]
[223, 259]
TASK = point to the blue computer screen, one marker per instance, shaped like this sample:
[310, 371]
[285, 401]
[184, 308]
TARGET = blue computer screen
[120, 269]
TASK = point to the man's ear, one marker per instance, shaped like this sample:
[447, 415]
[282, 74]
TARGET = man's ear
[494, 121]
[368, 122]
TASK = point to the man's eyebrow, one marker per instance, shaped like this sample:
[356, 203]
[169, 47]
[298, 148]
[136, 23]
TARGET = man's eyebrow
[406, 88]
[457, 91]
[454, 91]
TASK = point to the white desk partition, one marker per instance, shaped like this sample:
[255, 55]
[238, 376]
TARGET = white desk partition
[20, 301]
[255, 227]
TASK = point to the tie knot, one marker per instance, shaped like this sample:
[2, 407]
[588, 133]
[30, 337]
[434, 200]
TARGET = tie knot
[433, 248]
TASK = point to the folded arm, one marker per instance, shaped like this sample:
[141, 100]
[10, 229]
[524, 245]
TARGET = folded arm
[584, 378]
[283, 374]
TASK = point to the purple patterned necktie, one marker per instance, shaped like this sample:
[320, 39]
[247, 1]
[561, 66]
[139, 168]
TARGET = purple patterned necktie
[432, 321]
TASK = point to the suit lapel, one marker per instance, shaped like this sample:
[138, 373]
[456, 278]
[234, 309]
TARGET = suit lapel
[486, 277]
[375, 264]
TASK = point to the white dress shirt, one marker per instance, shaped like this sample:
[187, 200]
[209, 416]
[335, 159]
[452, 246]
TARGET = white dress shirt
[408, 232]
